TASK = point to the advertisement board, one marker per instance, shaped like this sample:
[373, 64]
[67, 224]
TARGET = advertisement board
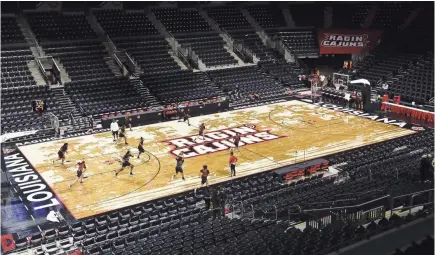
[347, 41]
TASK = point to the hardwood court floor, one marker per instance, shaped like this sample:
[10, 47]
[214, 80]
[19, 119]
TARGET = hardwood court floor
[275, 135]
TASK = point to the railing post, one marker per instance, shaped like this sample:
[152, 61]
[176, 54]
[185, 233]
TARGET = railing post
[391, 205]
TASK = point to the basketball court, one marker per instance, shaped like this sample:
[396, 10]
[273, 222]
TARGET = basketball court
[272, 136]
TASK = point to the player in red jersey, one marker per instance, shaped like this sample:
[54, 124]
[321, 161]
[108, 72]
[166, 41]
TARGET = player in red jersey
[204, 175]
[61, 153]
[201, 132]
[81, 168]
[140, 147]
[236, 141]
[232, 162]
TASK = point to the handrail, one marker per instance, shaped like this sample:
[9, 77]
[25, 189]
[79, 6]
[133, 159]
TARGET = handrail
[412, 197]
[333, 201]
[57, 67]
[288, 210]
[111, 43]
[347, 207]
[276, 211]
[373, 209]
[128, 57]
[117, 60]
[232, 207]
[356, 193]
[413, 206]
[42, 70]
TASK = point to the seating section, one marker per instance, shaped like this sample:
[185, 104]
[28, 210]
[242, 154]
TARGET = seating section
[403, 61]
[209, 48]
[391, 15]
[342, 14]
[93, 87]
[383, 151]
[54, 26]
[253, 42]
[180, 86]
[82, 61]
[103, 94]
[303, 43]
[286, 73]
[267, 16]
[11, 33]
[423, 18]
[162, 75]
[17, 113]
[362, 10]
[417, 85]
[263, 237]
[308, 15]
[152, 54]
[424, 247]
[228, 17]
[243, 81]
[14, 69]
[383, 64]
[118, 23]
[181, 20]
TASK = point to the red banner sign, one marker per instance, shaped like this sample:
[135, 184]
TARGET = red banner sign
[347, 41]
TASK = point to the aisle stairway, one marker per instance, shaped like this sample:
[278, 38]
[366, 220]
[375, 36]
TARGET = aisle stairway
[75, 120]
[144, 91]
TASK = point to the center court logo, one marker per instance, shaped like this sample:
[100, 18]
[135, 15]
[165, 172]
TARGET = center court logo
[219, 140]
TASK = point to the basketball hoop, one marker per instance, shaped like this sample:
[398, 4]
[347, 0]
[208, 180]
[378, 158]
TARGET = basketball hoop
[340, 80]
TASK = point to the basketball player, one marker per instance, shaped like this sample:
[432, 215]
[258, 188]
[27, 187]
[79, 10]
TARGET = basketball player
[122, 134]
[81, 168]
[233, 161]
[236, 141]
[140, 147]
[201, 132]
[185, 117]
[204, 175]
[114, 128]
[179, 166]
[128, 121]
[126, 163]
[61, 153]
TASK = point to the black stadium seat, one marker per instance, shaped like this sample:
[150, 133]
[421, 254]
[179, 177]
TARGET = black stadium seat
[54, 26]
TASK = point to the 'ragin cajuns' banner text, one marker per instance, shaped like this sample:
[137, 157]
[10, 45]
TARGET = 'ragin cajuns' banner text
[219, 140]
[347, 41]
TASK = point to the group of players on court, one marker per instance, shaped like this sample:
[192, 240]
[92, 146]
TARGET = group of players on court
[118, 133]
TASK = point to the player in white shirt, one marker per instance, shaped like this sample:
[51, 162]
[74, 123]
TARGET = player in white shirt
[114, 128]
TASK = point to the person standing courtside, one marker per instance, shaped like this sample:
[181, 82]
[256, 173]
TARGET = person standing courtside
[233, 161]
[204, 175]
[114, 128]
